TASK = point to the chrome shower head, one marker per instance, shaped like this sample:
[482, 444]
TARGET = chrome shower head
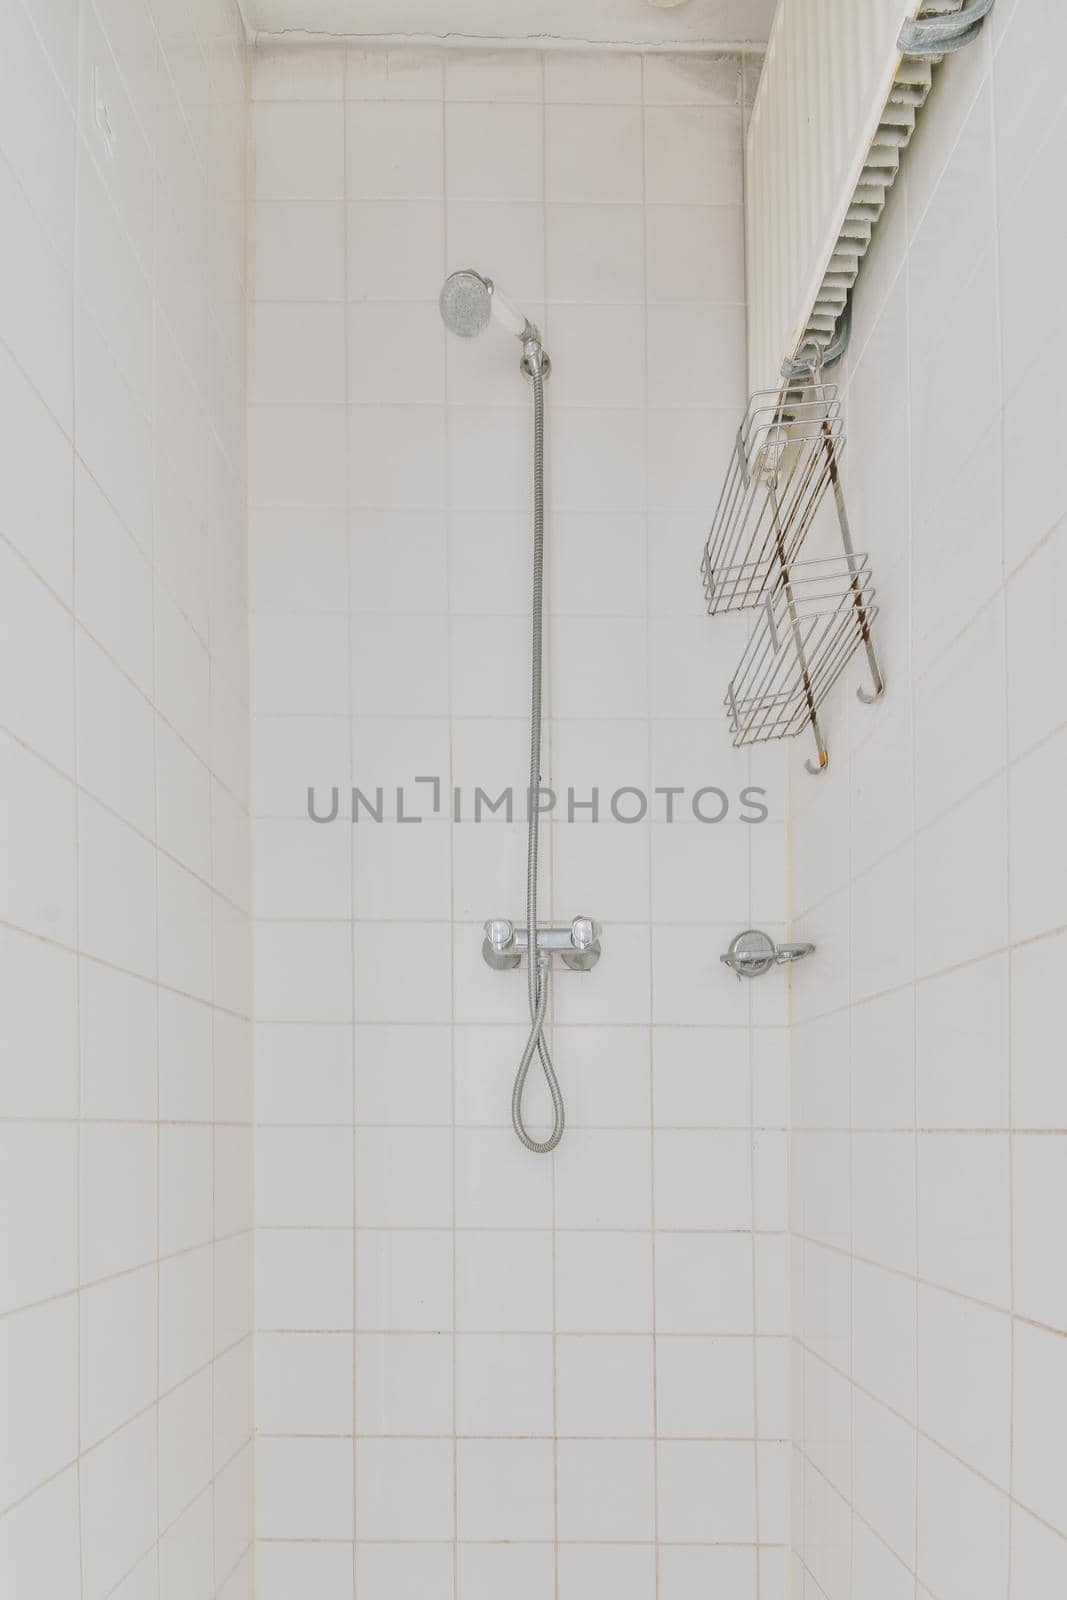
[470, 302]
[466, 303]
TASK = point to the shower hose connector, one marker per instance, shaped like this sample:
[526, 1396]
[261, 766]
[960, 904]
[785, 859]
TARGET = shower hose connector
[535, 362]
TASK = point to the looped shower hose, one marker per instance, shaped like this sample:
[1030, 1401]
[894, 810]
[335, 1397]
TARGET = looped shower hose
[538, 962]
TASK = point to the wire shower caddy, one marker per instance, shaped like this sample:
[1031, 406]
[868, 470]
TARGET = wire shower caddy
[813, 614]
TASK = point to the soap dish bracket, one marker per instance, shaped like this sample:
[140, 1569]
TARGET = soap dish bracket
[753, 952]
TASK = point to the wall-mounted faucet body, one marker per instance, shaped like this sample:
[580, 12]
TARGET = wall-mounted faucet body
[578, 946]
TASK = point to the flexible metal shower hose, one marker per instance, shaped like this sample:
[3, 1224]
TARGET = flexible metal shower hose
[538, 963]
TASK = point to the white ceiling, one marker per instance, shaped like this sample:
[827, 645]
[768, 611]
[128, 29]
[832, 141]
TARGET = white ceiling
[709, 22]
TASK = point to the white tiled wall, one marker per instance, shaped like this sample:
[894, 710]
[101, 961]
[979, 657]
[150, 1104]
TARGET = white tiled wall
[930, 1158]
[125, 1085]
[479, 1371]
[482, 1372]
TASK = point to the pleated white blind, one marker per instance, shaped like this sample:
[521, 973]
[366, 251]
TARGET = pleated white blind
[836, 106]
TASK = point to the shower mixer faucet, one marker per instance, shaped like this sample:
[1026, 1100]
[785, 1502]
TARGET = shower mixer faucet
[578, 945]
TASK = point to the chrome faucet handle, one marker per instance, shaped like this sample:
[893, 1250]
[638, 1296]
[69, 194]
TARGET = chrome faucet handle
[584, 951]
[499, 945]
[500, 932]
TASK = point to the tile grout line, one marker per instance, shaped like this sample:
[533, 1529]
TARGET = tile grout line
[752, 1062]
[352, 851]
[455, 1573]
[76, 887]
[550, 841]
[905, 278]
[986, 44]
[648, 753]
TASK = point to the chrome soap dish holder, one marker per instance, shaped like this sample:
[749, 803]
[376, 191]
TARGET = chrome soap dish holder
[814, 613]
[753, 952]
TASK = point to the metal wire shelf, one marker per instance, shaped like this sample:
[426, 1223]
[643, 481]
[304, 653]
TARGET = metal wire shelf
[816, 611]
[783, 461]
[814, 617]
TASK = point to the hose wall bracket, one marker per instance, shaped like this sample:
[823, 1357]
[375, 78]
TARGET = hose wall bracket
[535, 362]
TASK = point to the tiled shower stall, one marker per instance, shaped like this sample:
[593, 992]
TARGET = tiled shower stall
[540, 1367]
[285, 1309]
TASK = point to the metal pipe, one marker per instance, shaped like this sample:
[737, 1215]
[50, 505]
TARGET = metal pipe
[798, 369]
[940, 35]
